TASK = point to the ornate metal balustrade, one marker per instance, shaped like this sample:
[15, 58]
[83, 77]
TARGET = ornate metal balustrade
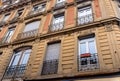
[50, 67]
[60, 5]
[85, 19]
[27, 34]
[88, 63]
[15, 71]
[57, 26]
[36, 11]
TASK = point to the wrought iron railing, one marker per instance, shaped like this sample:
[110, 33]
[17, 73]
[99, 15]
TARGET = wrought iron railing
[15, 71]
[50, 67]
[27, 34]
[85, 19]
[36, 11]
[59, 5]
[88, 63]
[57, 26]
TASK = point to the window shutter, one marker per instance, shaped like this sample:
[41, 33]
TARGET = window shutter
[53, 51]
[32, 26]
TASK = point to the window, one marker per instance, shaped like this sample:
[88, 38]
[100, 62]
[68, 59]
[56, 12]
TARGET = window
[18, 62]
[19, 13]
[58, 22]
[32, 26]
[9, 35]
[6, 17]
[50, 64]
[87, 55]
[30, 30]
[15, 1]
[85, 15]
[39, 7]
[60, 3]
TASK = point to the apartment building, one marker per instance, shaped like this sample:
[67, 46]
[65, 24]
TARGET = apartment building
[59, 40]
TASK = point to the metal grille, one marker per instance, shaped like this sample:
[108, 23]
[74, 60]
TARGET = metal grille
[27, 34]
[50, 67]
[57, 26]
[15, 71]
[85, 19]
[88, 63]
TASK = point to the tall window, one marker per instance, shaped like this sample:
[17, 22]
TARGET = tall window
[18, 62]
[9, 35]
[87, 55]
[50, 65]
[6, 17]
[58, 22]
[85, 15]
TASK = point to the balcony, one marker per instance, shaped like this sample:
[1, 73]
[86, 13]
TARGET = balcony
[35, 13]
[15, 71]
[57, 26]
[88, 62]
[85, 19]
[50, 67]
[60, 5]
[27, 34]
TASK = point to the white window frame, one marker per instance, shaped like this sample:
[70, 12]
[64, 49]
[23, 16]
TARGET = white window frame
[86, 41]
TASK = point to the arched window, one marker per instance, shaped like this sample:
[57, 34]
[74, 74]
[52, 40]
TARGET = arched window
[18, 62]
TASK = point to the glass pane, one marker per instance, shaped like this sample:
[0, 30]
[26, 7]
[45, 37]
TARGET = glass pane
[25, 56]
[91, 46]
[82, 48]
[9, 34]
[15, 59]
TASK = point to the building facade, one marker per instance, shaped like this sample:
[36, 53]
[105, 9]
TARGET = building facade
[59, 40]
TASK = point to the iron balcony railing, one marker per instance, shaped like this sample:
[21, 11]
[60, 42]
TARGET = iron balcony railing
[27, 34]
[85, 19]
[36, 11]
[57, 26]
[88, 63]
[60, 5]
[50, 67]
[15, 71]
